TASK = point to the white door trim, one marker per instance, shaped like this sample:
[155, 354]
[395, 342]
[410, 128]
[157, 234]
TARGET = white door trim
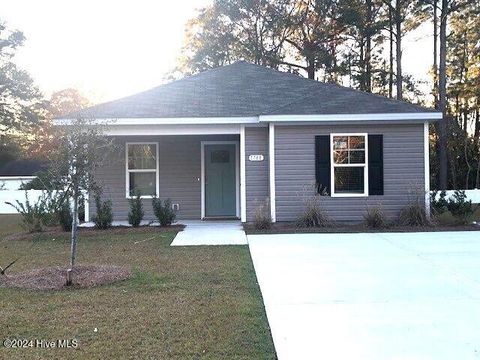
[237, 173]
[243, 177]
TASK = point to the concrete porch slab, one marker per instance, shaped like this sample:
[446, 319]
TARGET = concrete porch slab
[210, 232]
[91, 224]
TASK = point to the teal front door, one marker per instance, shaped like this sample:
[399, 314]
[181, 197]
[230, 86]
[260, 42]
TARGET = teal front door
[220, 180]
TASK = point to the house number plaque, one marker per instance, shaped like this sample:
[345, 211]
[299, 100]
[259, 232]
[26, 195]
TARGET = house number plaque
[255, 157]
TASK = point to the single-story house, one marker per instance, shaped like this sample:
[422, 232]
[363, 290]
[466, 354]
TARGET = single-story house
[16, 173]
[220, 142]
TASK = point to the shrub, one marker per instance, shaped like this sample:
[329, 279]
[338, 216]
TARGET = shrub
[438, 203]
[135, 216]
[163, 211]
[44, 212]
[34, 215]
[261, 216]
[65, 217]
[460, 207]
[374, 218]
[104, 217]
[313, 214]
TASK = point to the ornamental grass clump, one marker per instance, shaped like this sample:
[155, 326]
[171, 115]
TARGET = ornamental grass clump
[374, 218]
[313, 214]
[414, 214]
[261, 216]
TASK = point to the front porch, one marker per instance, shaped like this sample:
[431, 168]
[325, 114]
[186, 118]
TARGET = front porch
[200, 174]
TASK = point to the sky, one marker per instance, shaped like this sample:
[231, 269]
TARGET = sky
[108, 49]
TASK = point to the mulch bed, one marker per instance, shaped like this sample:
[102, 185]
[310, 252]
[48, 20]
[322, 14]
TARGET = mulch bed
[53, 278]
[89, 232]
[290, 228]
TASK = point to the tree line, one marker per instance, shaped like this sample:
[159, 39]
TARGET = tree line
[25, 113]
[359, 43]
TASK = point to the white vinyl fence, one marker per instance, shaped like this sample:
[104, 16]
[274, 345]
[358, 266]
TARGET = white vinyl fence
[12, 196]
[473, 195]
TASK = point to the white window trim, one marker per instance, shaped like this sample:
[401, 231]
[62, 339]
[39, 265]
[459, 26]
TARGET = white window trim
[128, 171]
[237, 175]
[333, 166]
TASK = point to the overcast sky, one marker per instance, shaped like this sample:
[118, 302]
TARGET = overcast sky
[111, 48]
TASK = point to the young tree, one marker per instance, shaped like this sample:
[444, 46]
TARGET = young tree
[60, 103]
[81, 150]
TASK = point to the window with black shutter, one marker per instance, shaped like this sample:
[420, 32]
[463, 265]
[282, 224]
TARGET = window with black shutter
[349, 164]
[322, 163]
[375, 164]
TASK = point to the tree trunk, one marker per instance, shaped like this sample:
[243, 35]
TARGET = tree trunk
[390, 72]
[443, 142]
[362, 64]
[73, 245]
[311, 69]
[477, 180]
[469, 167]
[398, 29]
[476, 132]
[368, 48]
[476, 135]
[435, 54]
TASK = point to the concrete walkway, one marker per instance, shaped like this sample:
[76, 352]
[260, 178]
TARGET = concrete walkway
[371, 296]
[210, 232]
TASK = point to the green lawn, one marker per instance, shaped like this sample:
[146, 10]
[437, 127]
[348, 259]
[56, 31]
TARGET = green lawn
[187, 303]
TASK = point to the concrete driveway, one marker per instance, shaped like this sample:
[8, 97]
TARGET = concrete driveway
[371, 296]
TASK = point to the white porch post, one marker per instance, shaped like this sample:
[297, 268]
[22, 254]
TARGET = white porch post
[271, 164]
[426, 143]
[243, 180]
[87, 206]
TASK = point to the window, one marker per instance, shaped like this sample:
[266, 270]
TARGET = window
[220, 156]
[142, 169]
[349, 164]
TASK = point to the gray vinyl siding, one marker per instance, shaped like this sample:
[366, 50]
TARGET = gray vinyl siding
[179, 174]
[256, 172]
[295, 169]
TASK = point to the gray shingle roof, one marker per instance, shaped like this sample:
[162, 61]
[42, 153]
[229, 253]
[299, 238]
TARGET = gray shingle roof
[22, 168]
[243, 89]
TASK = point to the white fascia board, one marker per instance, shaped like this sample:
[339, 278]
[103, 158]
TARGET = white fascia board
[146, 130]
[352, 117]
[165, 121]
[17, 177]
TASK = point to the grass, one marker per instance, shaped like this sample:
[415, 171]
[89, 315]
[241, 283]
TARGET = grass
[187, 302]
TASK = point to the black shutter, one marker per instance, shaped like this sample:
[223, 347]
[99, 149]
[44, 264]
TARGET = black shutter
[322, 163]
[375, 164]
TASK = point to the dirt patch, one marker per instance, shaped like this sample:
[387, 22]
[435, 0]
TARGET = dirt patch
[91, 232]
[53, 278]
